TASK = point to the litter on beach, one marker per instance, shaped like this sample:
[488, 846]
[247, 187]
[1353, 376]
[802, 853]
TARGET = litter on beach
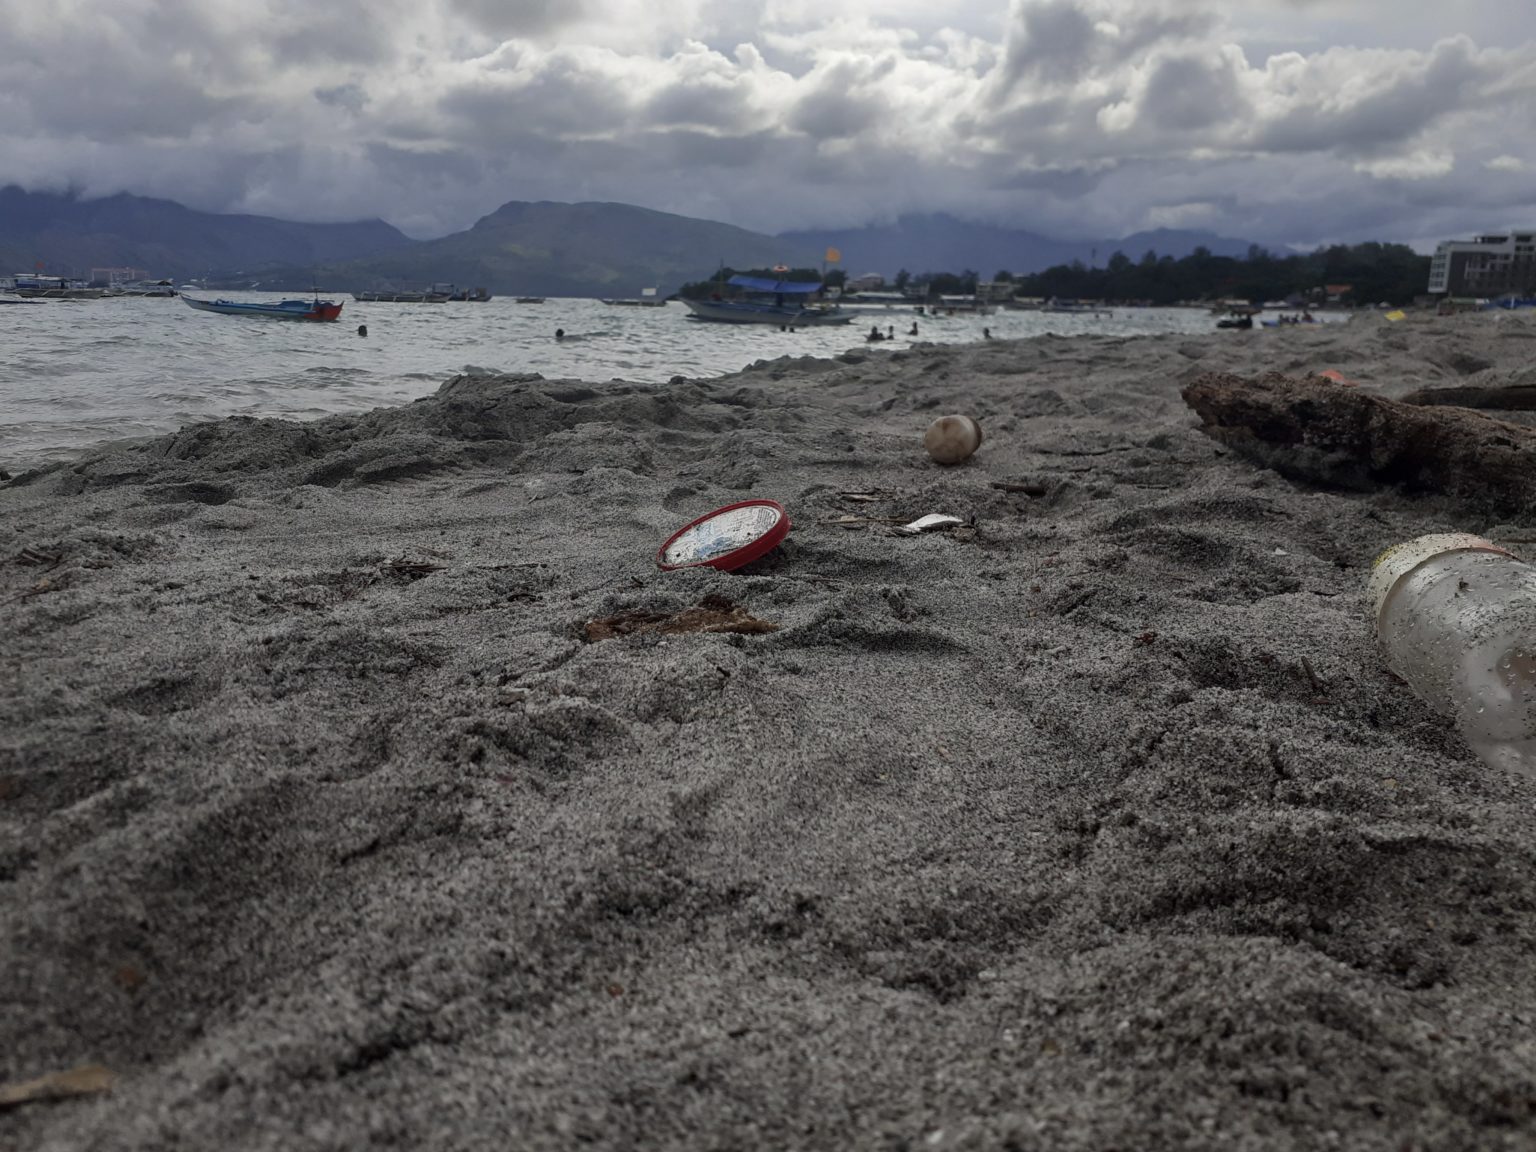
[951, 439]
[933, 522]
[727, 538]
[1338, 377]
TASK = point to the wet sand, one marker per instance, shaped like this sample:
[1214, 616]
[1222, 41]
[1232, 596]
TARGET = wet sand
[1099, 825]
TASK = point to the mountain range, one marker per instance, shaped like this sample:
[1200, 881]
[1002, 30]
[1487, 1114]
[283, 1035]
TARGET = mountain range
[68, 235]
[543, 248]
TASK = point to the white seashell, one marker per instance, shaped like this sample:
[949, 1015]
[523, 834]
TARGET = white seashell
[951, 439]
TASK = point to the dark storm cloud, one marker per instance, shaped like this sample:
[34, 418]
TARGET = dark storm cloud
[839, 101]
[688, 151]
[711, 102]
[1141, 30]
[1052, 41]
[337, 33]
[1062, 41]
[558, 97]
[509, 18]
[352, 97]
[1065, 183]
[1186, 94]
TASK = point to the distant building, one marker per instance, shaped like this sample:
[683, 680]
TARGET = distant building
[1329, 294]
[104, 277]
[1488, 266]
[869, 282]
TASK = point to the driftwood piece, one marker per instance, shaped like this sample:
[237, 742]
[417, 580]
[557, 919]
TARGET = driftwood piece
[86, 1080]
[1510, 398]
[1313, 430]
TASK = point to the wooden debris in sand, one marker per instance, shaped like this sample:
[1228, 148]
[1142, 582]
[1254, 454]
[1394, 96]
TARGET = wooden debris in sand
[1314, 431]
[1511, 398]
[35, 557]
[86, 1080]
[869, 496]
[410, 569]
[712, 614]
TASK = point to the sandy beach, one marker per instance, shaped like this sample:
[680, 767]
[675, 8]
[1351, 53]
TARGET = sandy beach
[1099, 824]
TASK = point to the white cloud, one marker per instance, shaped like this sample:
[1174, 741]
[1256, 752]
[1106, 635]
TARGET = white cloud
[1420, 165]
[1083, 116]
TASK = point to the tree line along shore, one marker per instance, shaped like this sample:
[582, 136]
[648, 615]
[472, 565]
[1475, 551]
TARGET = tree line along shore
[1371, 273]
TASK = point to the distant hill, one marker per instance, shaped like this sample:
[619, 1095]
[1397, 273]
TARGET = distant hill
[543, 248]
[590, 249]
[70, 236]
[940, 243]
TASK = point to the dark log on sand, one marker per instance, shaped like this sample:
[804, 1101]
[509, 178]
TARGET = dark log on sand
[1314, 430]
[1511, 398]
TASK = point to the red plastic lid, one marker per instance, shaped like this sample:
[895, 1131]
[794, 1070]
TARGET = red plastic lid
[727, 538]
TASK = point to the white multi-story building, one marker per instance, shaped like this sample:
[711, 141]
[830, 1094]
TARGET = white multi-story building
[1488, 266]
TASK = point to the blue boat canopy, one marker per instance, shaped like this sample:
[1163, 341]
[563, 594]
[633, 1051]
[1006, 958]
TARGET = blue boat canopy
[787, 287]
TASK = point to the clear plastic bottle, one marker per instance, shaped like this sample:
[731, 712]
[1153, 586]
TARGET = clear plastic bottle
[1456, 616]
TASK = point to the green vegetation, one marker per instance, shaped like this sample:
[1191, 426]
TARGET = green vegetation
[1375, 273]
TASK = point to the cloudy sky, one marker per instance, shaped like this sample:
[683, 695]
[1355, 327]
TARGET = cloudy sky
[1288, 121]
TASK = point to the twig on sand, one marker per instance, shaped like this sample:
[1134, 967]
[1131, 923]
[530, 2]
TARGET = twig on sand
[35, 556]
[43, 585]
[414, 569]
[85, 1080]
[1318, 686]
[870, 496]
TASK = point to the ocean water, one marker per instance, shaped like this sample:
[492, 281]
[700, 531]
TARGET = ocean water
[74, 374]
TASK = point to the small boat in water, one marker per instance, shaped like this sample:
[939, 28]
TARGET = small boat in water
[1238, 318]
[315, 309]
[453, 292]
[389, 296]
[782, 302]
[439, 293]
[38, 287]
[646, 299]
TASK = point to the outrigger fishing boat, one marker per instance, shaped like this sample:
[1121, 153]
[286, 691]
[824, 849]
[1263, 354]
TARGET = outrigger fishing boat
[316, 309]
[781, 302]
